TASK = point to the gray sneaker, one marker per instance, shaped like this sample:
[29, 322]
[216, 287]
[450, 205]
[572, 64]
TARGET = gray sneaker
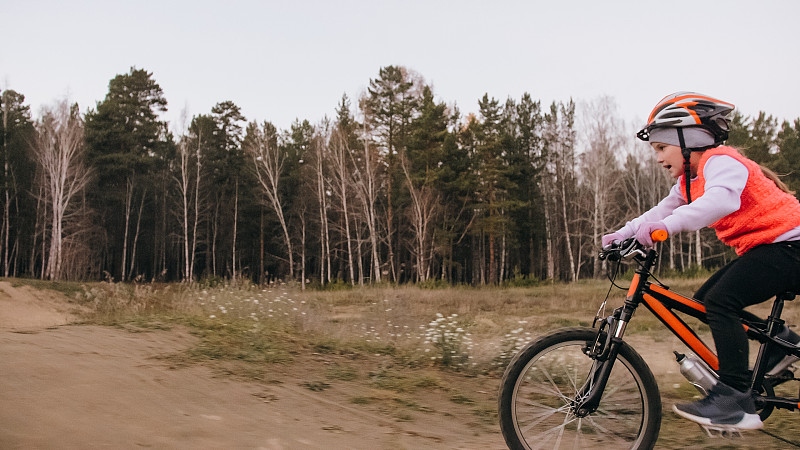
[777, 360]
[724, 409]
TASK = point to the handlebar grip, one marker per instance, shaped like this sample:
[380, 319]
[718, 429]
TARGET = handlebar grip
[659, 235]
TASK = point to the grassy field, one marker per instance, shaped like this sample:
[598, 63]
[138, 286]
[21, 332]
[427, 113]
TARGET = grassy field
[398, 344]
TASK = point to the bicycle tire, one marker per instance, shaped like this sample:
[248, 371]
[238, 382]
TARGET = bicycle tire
[542, 379]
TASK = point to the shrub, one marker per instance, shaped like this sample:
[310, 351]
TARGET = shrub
[449, 340]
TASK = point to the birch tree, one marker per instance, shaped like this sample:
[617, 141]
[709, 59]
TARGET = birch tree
[268, 161]
[601, 134]
[341, 179]
[366, 187]
[319, 153]
[423, 210]
[187, 179]
[59, 153]
[559, 138]
[391, 104]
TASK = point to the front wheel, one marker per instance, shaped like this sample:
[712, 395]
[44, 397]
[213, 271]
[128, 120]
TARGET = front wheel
[539, 389]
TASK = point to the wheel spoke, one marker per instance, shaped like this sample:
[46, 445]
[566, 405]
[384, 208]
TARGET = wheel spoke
[553, 432]
[539, 419]
[555, 378]
[553, 383]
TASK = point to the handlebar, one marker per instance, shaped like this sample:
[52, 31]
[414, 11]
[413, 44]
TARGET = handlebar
[659, 235]
[630, 247]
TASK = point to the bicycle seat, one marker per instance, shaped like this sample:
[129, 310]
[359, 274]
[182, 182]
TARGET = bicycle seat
[788, 295]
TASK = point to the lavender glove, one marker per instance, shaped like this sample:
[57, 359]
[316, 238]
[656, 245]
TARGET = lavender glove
[643, 233]
[609, 238]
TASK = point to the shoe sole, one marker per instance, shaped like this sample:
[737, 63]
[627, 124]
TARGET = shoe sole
[748, 422]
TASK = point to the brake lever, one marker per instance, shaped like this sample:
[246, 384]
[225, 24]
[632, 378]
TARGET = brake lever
[637, 252]
[617, 250]
[627, 247]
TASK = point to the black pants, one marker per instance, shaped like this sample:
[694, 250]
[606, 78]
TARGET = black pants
[753, 278]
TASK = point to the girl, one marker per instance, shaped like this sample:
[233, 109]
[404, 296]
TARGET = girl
[751, 210]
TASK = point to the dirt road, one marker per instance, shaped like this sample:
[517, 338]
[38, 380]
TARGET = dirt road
[77, 386]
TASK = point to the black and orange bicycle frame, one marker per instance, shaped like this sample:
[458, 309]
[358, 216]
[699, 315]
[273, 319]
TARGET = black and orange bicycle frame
[664, 304]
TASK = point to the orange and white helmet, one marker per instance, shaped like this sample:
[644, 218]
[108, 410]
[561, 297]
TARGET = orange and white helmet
[689, 109]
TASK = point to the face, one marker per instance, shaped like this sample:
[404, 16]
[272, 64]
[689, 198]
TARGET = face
[671, 158]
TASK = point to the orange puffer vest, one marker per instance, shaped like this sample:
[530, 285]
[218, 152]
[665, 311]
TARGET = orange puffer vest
[766, 212]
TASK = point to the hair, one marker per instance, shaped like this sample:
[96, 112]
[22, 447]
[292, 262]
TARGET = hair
[776, 179]
[772, 176]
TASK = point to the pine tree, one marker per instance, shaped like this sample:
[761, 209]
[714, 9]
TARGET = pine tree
[391, 105]
[127, 144]
[16, 179]
[787, 162]
[492, 195]
[525, 156]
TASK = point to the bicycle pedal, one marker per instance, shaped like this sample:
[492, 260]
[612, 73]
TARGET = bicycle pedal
[722, 431]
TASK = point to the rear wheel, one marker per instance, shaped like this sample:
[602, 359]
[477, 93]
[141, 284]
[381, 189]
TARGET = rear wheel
[540, 385]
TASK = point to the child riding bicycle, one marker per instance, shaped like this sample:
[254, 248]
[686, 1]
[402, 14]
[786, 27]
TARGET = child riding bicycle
[750, 210]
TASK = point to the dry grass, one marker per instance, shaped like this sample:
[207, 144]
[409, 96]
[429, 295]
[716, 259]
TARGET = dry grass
[247, 326]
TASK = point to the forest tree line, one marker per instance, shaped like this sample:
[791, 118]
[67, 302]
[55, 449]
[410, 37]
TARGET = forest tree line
[395, 187]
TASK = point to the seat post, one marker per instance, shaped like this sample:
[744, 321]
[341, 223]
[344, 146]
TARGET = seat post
[774, 323]
[774, 320]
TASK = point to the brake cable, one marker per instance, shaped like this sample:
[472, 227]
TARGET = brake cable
[601, 312]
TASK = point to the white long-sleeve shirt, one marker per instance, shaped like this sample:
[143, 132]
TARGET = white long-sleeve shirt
[725, 180]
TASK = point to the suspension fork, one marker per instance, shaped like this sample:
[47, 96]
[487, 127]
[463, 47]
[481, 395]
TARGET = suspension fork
[591, 392]
[617, 323]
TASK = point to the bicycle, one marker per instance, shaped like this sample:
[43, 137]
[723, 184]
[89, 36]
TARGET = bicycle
[586, 387]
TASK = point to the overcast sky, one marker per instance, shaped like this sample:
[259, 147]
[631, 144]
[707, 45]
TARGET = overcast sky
[282, 60]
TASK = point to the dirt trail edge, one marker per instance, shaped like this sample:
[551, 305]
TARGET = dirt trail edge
[77, 386]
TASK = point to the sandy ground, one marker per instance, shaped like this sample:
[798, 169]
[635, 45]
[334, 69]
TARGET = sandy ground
[76, 386]
[70, 386]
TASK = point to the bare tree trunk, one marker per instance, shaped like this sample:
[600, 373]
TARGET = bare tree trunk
[565, 218]
[183, 186]
[492, 265]
[136, 237]
[424, 206]
[41, 214]
[348, 236]
[672, 253]
[45, 258]
[548, 225]
[598, 222]
[235, 223]
[360, 257]
[303, 249]
[128, 205]
[698, 249]
[367, 192]
[680, 249]
[268, 160]
[59, 153]
[161, 255]
[322, 200]
[503, 255]
[261, 247]
[7, 204]
[196, 222]
[340, 154]
[190, 203]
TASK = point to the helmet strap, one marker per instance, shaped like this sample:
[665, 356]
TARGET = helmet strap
[687, 169]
